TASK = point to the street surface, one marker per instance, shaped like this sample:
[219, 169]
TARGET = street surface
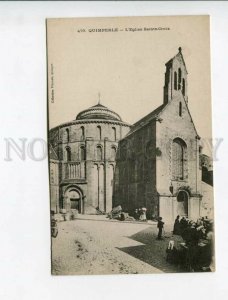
[102, 246]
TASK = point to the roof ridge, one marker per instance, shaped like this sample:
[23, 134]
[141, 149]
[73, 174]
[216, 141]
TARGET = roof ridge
[154, 112]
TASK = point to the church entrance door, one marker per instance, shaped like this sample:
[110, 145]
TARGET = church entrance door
[74, 199]
[182, 204]
[75, 204]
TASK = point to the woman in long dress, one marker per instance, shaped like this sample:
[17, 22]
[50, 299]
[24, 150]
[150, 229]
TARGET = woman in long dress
[176, 227]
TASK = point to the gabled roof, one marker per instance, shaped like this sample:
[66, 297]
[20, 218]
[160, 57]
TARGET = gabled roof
[151, 116]
[187, 110]
[178, 55]
[191, 117]
[155, 115]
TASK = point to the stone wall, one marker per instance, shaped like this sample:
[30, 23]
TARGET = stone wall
[144, 165]
[170, 127]
[90, 167]
[135, 176]
[54, 185]
[207, 203]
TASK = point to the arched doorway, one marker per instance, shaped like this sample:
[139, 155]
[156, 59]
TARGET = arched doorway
[73, 198]
[182, 203]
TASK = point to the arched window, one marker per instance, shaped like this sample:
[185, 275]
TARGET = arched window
[113, 153]
[67, 135]
[68, 154]
[82, 132]
[183, 87]
[179, 159]
[114, 133]
[175, 80]
[99, 152]
[82, 153]
[99, 132]
[180, 109]
[179, 78]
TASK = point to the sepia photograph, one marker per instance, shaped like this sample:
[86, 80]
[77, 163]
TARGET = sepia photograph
[130, 145]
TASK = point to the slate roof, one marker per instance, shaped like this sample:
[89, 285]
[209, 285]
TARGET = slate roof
[151, 116]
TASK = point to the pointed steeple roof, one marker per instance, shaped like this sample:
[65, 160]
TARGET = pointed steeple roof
[179, 56]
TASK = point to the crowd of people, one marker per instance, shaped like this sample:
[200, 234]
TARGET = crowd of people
[192, 232]
[197, 251]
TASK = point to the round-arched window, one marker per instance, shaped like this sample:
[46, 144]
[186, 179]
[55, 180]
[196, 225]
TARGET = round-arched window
[179, 159]
[82, 153]
[68, 154]
[113, 153]
[99, 152]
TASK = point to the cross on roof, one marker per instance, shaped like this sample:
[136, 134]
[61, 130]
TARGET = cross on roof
[99, 98]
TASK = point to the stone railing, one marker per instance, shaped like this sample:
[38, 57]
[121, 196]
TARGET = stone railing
[73, 170]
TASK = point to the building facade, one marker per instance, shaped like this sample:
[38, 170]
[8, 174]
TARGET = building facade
[99, 161]
[82, 160]
[158, 161]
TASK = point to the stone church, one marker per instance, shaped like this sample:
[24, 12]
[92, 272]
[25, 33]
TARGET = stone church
[98, 161]
[82, 158]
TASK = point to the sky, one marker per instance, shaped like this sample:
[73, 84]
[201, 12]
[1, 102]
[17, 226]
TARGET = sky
[126, 67]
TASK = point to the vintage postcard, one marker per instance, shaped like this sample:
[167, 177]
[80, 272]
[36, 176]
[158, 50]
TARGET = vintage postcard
[130, 158]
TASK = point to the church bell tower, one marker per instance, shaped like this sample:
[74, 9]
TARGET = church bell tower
[175, 78]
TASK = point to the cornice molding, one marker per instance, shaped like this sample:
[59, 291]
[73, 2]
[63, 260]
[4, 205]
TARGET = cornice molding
[91, 121]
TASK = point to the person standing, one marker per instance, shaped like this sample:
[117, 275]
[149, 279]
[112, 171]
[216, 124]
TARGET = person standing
[143, 214]
[160, 226]
[136, 214]
[176, 227]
